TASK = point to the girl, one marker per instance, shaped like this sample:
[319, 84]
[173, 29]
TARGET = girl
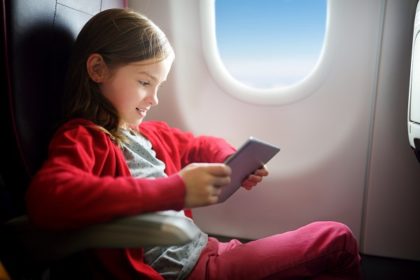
[105, 162]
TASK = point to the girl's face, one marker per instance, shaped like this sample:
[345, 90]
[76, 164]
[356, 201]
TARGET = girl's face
[132, 89]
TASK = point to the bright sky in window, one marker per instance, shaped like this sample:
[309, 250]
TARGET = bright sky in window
[270, 43]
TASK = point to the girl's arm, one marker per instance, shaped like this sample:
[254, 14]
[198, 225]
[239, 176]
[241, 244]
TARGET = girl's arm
[85, 181]
[184, 147]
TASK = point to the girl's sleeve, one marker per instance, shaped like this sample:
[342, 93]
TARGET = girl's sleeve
[79, 184]
[188, 148]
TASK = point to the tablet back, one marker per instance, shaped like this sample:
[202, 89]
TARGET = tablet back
[252, 155]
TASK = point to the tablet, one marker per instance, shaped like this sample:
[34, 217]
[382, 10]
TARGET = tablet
[253, 154]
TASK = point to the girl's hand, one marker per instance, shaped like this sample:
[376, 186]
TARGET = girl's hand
[203, 182]
[255, 178]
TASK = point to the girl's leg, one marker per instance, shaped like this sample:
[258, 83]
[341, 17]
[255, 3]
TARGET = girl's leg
[320, 250]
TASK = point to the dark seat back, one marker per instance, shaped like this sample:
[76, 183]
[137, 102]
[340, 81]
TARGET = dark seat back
[36, 40]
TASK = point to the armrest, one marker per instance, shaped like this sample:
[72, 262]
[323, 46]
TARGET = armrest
[153, 229]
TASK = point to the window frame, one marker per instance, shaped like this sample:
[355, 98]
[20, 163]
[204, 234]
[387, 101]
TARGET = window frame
[260, 96]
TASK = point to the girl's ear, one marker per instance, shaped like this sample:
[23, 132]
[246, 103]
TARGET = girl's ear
[97, 68]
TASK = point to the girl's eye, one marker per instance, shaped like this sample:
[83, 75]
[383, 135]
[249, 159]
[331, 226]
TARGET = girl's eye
[144, 83]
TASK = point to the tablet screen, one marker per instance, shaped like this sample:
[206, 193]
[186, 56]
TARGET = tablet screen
[253, 154]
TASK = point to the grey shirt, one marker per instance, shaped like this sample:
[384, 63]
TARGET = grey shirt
[173, 262]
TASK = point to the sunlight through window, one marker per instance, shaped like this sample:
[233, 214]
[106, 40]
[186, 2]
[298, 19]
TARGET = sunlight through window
[270, 43]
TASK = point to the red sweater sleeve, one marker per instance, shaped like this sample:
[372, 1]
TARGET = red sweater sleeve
[86, 181]
[178, 148]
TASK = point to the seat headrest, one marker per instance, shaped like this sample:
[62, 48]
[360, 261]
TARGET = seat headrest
[36, 44]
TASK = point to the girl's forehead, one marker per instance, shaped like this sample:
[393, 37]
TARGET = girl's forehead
[151, 62]
[156, 69]
[140, 65]
[136, 67]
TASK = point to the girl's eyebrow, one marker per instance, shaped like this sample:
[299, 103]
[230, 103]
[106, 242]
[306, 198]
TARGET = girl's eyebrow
[150, 76]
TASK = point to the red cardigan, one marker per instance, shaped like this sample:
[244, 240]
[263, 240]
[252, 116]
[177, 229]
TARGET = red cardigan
[86, 181]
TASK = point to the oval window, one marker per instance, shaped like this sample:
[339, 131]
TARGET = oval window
[270, 43]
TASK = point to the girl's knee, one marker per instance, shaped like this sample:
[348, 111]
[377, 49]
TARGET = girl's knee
[342, 231]
[336, 239]
[336, 234]
[332, 227]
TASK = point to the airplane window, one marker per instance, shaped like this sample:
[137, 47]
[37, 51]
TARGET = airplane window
[270, 43]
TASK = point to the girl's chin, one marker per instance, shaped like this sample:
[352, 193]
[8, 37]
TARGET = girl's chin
[136, 123]
[133, 125]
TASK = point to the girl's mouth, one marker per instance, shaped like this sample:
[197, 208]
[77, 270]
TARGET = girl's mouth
[142, 112]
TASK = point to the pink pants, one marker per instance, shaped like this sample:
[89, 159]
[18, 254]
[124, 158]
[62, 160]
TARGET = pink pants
[320, 250]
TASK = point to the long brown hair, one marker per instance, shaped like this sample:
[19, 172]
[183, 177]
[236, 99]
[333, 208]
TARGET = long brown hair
[120, 36]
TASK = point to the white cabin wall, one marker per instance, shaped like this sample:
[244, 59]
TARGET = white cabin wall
[391, 226]
[325, 170]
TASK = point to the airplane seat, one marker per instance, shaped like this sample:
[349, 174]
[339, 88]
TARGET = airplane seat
[35, 44]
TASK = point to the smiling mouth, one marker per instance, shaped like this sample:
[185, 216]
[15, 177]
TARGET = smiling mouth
[142, 112]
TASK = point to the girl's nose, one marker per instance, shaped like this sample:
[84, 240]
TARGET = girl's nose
[153, 98]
